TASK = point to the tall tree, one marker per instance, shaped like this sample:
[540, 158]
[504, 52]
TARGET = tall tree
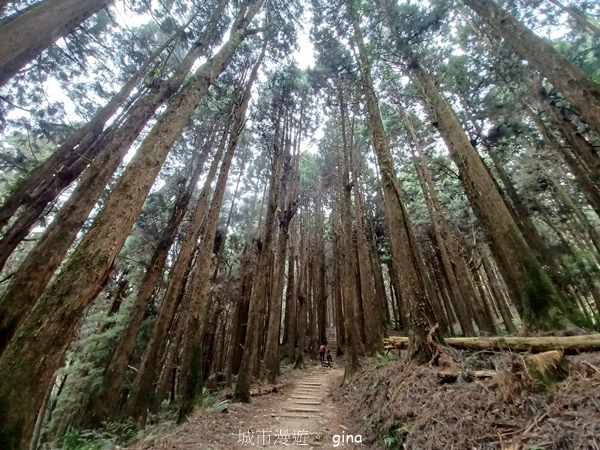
[567, 78]
[191, 372]
[405, 253]
[86, 271]
[28, 33]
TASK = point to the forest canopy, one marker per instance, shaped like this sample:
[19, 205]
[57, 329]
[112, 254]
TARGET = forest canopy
[195, 194]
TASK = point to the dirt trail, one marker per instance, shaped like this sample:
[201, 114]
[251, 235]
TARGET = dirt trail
[302, 415]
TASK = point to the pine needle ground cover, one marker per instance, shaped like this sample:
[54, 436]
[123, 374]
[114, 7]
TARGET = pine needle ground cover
[406, 407]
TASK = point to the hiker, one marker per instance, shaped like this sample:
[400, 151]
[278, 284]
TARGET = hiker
[329, 359]
[322, 353]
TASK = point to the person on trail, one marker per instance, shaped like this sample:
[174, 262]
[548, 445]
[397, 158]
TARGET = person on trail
[329, 358]
[322, 353]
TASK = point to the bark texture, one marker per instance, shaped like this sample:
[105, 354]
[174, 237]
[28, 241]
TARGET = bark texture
[405, 253]
[27, 34]
[538, 302]
[39, 346]
[569, 80]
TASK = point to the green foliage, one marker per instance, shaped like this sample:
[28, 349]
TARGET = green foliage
[383, 359]
[395, 437]
[112, 433]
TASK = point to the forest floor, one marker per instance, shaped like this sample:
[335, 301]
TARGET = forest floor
[392, 405]
[300, 415]
[398, 406]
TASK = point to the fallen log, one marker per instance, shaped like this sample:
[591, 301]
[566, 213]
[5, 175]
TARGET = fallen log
[264, 390]
[568, 344]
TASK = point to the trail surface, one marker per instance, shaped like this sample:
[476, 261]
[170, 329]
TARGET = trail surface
[301, 416]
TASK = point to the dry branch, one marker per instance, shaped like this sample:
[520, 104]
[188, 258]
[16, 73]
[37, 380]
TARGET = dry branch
[568, 344]
[450, 376]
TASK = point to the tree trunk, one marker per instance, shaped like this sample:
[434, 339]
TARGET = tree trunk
[579, 17]
[106, 149]
[301, 299]
[539, 303]
[259, 291]
[106, 401]
[40, 344]
[349, 281]
[199, 290]
[569, 344]
[240, 320]
[43, 176]
[288, 207]
[581, 92]
[289, 331]
[565, 200]
[441, 233]
[500, 298]
[373, 315]
[585, 151]
[28, 33]
[340, 322]
[139, 399]
[321, 294]
[405, 253]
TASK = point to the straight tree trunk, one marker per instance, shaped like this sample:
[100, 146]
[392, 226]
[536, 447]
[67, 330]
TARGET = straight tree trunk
[395, 285]
[139, 397]
[106, 401]
[28, 33]
[494, 284]
[37, 269]
[259, 291]
[313, 345]
[106, 149]
[321, 290]
[581, 92]
[199, 290]
[289, 336]
[44, 174]
[522, 216]
[240, 319]
[39, 345]
[301, 299]
[586, 154]
[373, 316]
[579, 17]
[288, 207]
[405, 253]
[442, 235]
[563, 198]
[349, 281]
[539, 303]
[340, 322]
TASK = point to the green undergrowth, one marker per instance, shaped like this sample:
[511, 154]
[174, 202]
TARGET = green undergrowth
[111, 434]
